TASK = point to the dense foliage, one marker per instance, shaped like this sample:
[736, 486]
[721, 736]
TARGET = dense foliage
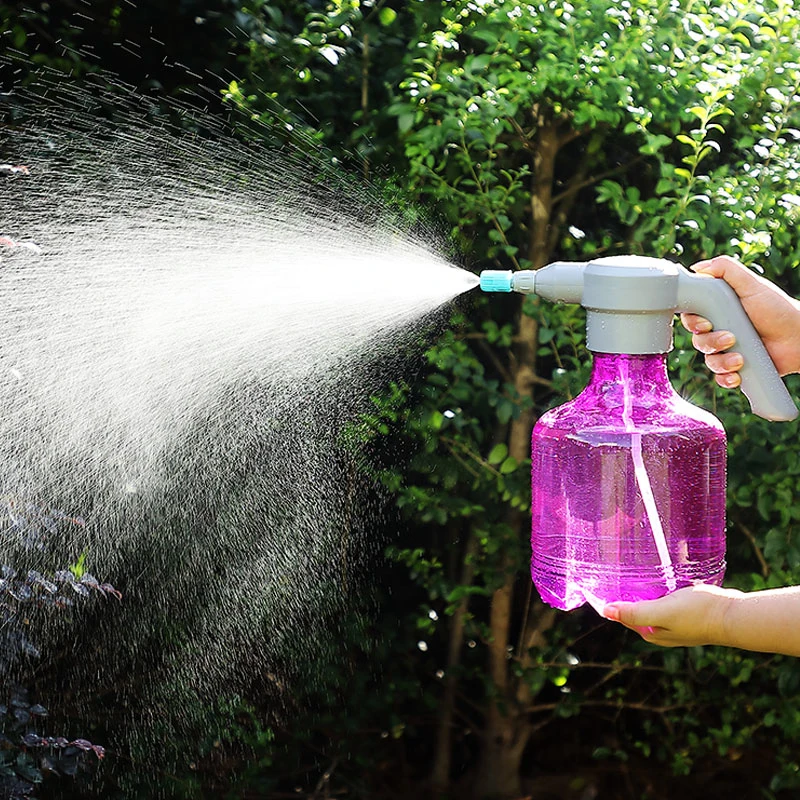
[569, 131]
[534, 132]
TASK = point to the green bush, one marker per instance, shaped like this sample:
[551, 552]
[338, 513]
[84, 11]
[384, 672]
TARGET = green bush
[572, 130]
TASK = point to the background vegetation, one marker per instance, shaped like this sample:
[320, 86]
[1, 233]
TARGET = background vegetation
[531, 132]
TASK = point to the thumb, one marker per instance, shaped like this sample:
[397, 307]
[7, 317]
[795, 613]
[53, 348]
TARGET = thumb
[742, 280]
[633, 615]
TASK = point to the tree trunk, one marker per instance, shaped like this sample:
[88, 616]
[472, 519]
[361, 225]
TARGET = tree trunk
[507, 727]
[499, 773]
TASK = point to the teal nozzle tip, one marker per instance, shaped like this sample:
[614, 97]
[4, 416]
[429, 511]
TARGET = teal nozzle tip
[496, 280]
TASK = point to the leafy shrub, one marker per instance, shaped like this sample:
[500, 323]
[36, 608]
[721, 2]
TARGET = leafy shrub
[26, 754]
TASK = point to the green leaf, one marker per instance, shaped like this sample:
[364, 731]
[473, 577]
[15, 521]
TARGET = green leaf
[654, 144]
[498, 453]
[405, 122]
[487, 36]
[387, 16]
[664, 185]
[546, 335]
[78, 569]
[700, 112]
[509, 465]
[479, 63]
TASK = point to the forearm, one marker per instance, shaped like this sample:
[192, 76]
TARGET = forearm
[766, 621]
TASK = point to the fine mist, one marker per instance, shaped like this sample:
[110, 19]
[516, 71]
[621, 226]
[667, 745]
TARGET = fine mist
[189, 329]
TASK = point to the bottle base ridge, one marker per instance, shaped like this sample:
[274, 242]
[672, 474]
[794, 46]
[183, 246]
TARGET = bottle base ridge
[569, 585]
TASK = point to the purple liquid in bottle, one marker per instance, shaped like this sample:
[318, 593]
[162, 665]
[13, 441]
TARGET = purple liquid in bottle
[628, 489]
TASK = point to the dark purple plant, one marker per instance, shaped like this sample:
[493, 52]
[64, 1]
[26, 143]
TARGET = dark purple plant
[27, 756]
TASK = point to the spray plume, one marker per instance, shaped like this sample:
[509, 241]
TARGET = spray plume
[189, 323]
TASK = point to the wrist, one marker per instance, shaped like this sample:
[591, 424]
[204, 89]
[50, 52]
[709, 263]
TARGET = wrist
[725, 623]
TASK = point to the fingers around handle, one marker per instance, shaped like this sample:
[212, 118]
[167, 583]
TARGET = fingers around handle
[715, 300]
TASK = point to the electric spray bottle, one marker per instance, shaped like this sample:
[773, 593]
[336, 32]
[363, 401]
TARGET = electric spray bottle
[628, 479]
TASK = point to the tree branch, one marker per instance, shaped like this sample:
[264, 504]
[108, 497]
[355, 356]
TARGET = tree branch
[765, 570]
[616, 704]
[573, 189]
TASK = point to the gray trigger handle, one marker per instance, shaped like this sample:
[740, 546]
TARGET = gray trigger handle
[713, 299]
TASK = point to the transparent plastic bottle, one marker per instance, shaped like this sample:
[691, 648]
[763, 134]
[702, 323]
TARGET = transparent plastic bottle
[628, 489]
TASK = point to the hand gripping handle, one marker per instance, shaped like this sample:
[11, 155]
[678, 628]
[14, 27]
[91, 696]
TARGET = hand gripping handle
[713, 299]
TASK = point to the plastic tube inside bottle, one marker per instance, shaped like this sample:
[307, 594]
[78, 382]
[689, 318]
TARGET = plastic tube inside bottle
[645, 488]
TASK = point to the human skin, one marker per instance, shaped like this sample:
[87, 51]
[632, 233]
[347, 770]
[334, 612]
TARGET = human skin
[765, 621]
[774, 314]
